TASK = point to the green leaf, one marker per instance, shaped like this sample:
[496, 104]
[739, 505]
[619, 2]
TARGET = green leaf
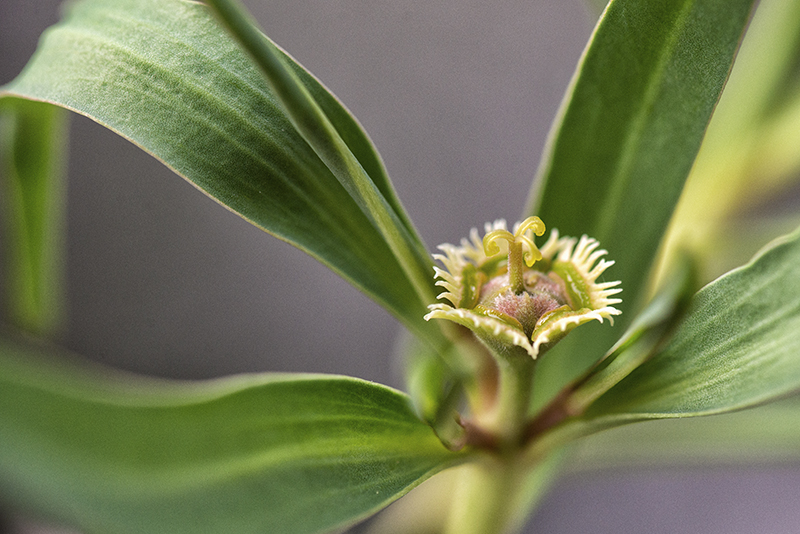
[750, 151]
[771, 87]
[643, 338]
[32, 156]
[435, 384]
[632, 126]
[741, 238]
[260, 453]
[647, 333]
[777, 154]
[323, 137]
[629, 130]
[163, 74]
[737, 347]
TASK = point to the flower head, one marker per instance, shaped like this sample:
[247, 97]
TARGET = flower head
[528, 297]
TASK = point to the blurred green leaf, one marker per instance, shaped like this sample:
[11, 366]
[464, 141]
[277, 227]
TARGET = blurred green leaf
[737, 347]
[625, 140]
[163, 74]
[425, 510]
[765, 435]
[434, 389]
[439, 382]
[750, 151]
[260, 453]
[741, 238]
[32, 163]
[776, 156]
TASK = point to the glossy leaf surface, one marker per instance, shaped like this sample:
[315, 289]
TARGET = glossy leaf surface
[267, 453]
[629, 130]
[165, 75]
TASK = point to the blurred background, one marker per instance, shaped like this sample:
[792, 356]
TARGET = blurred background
[459, 97]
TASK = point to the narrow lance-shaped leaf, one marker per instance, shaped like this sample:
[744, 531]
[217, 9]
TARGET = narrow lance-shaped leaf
[633, 122]
[777, 152]
[166, 76]
[32, 180]
[248, 454]
[629, 130]
[317, 129]
[742, 163]
[737, 347]
[645, 336]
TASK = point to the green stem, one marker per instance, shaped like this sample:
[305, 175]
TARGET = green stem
[515, 387]
[487, 490]
[484, 497]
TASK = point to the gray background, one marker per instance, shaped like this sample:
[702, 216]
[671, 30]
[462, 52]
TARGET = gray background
[458, 95]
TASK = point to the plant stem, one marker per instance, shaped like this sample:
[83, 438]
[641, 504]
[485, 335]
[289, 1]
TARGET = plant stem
[510, 411]
[484, 497]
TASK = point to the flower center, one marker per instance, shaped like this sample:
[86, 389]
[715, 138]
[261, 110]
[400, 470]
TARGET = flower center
[541, 294]
[520, 296]
[517, 243]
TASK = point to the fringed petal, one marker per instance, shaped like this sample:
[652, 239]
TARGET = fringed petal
[574, 266]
